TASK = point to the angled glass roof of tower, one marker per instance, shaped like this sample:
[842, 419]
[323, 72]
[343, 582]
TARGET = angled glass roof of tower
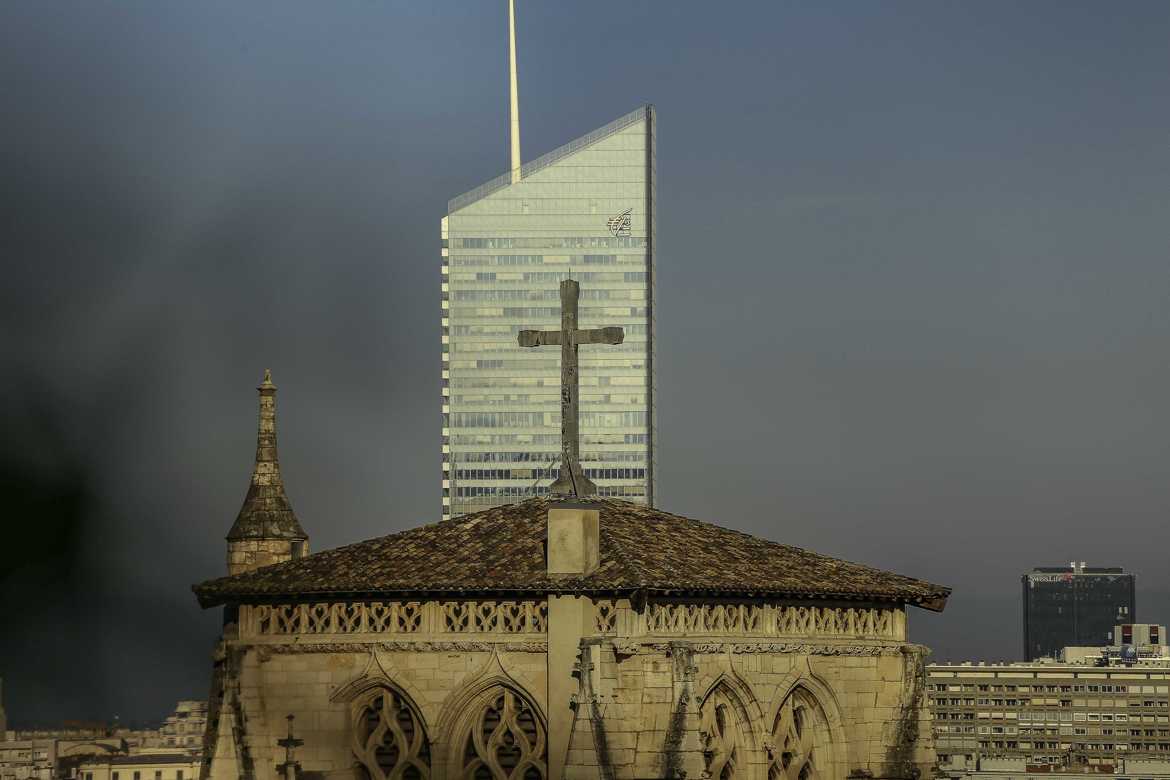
[584, 211]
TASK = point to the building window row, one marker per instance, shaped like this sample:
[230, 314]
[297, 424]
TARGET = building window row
[475, 261]
[538, 419]
[550, 382]
[615, 355]
[521, 491]
[543, 457]
[588, 438]
[533, 316]
[551, 294]
[548, 401]
[1063, 688]
[554, 277]
[508, 332]
[567, 242]
[528, 474]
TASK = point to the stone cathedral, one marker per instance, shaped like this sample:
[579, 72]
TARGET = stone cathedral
[564, 636]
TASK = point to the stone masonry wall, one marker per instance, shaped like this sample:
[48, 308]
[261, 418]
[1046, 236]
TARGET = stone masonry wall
[672, 696]
[305, 685]
[248, 554]
[645, 703]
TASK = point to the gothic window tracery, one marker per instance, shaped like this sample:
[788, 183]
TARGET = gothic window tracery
[389, 740]
[800, 739]
[505, 740]
[723, 745]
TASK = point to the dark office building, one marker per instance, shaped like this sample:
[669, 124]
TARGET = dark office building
[1074, 606]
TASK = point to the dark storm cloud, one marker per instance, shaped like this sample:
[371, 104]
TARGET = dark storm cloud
[912, 282]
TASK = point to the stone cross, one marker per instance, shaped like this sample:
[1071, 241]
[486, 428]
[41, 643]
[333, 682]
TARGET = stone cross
[290, 744]
[572, 480]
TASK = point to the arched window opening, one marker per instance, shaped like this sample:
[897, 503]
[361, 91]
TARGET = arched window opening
[801, 740]
[505, 740]
[389, 739]
[723, 744]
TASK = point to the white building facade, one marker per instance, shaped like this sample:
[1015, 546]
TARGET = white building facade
[1091, 710]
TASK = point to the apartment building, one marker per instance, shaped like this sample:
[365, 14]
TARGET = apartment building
[1054, 714]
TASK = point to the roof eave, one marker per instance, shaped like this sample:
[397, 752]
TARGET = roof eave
[935, 603]
[208, 597]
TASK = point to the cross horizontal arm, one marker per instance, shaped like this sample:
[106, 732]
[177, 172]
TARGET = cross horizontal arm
[538, 338]
[610, 335]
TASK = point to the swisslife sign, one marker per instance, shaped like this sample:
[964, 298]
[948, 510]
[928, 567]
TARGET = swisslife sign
[1034, 578]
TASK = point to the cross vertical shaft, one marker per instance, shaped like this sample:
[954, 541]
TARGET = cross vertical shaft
[572, 480]
[571, 476]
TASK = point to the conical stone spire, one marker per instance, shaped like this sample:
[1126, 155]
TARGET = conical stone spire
[266, 514]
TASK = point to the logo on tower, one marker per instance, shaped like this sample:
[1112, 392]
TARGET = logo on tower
[619, 224]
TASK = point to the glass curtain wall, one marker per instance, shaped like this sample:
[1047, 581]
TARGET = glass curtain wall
[584, 212]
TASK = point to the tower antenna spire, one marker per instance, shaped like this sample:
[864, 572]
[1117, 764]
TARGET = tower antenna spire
[513, 95]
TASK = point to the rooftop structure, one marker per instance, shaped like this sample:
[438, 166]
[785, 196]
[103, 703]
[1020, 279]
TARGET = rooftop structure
[1134, 644]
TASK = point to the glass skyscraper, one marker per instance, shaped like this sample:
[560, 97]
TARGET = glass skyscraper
[584, 211]
[1077, 606]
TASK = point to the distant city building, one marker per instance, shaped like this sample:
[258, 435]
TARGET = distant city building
[24, 756]
[1113, 704]
[142, 766]
[1074, 606]
[27, 759]
[55, 754]
[3, 716]
[585, 211]
[185, 726]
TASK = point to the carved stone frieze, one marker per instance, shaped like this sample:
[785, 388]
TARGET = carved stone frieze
[740, 648]
[265, 650]
[799, 648]
[396, 617]
[682, 618]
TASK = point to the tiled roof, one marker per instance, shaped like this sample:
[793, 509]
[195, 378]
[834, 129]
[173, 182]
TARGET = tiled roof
[501, 550]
